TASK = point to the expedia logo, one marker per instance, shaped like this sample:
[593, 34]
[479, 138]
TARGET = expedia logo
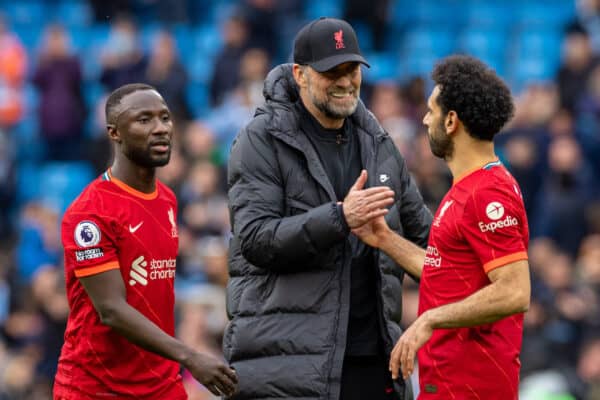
[492, 226]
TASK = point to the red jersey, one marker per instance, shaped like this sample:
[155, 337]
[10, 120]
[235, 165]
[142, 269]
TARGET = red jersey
[480, 225]
[113, 226]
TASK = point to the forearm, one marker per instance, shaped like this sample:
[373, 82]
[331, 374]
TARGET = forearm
[405, 253]
[138, 329]
[489, 304]
[292, 243]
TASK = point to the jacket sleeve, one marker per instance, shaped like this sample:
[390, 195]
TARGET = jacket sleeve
[257, 202]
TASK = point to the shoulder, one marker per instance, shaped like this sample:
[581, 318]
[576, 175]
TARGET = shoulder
[166, 191]
[492, 191]
[95, 200]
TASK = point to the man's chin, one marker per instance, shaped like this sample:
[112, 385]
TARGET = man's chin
[161, 162]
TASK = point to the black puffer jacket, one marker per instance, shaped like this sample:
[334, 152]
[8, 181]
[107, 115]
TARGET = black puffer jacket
[289, 261]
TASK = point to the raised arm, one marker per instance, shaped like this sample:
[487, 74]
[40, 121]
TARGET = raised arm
[378, 234]
[268, 237]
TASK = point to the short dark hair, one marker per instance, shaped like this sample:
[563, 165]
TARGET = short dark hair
[114, 99]
[480, 98]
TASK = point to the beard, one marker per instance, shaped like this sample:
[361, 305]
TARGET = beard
[440, 144]
[331, 110]
[145, 158]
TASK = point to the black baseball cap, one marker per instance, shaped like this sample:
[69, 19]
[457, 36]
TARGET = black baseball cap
[326, 43]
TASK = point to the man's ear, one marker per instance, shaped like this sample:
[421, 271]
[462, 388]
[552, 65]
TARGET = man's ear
[299, 75]
[451, 122]
[113, 133]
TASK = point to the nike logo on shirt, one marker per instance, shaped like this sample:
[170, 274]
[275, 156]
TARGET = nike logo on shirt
[132, 229]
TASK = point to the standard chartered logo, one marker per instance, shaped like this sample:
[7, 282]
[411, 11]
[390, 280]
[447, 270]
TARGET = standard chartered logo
[159, 269]
[138, 273]
[432, 257]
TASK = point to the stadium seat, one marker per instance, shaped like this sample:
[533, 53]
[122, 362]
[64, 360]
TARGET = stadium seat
[531, 71]
[90, 56]
[30, 12]
[489, 45]
[383, 67]
[61, 182]
[490, 15]
[551, 14]
[73, 13]
[198, 99]
[314, 9]
[423, 42]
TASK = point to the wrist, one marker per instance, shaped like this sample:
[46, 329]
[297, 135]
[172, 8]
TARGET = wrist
[340, 210]
[428, 319]
[386, 241]
[184, 356]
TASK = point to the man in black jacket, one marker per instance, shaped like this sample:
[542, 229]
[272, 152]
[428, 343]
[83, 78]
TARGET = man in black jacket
[314, 311]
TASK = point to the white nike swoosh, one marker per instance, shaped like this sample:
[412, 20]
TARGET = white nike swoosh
[135, 228]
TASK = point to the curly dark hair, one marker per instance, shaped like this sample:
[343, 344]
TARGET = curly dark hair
[480, 98]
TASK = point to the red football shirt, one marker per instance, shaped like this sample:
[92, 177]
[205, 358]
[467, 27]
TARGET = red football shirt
[480, 225]
[113, 226]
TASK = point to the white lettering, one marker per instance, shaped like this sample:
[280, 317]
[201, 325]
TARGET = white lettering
[492, 226]
[432, 257]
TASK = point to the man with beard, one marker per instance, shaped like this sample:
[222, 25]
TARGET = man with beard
[120, 243]
[474, 274]
[314, 312]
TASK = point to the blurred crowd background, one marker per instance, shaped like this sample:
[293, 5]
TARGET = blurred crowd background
[60, 58]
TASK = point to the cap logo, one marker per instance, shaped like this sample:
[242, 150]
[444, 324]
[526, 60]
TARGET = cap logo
[339, 39]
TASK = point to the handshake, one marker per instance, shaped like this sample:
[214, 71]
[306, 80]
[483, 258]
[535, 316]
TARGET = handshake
[364, 210]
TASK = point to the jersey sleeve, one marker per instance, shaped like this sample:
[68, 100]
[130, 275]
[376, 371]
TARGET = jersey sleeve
[89, 243]
[495, 226]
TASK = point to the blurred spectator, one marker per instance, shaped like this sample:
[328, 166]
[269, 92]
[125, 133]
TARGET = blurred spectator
[199, 143]
[262, 17]
[588, 15]
[123, 60]
[226, 71]
[588, 263]
[49, 295]
[578, 62]
[588, 118]
[523, 161]
[13, 67]
[372, 14]
[567, 186]
[61, 109]
[202, 322]
[166, 73]
[239, 106]
[588, 367]
[174, 172]
[214, 257]
[39, 241]
[390, 109]
[7, 185]
[104, 10]
[432, 175]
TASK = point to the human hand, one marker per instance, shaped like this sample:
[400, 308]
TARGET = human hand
[213, 374]
[403, 354]
[373, 232]
[362, 205]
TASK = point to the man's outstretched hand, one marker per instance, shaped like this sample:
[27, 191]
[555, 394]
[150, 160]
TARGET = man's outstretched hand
[405, 350]
[362, 205]
[213, 374]
[373, 232]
